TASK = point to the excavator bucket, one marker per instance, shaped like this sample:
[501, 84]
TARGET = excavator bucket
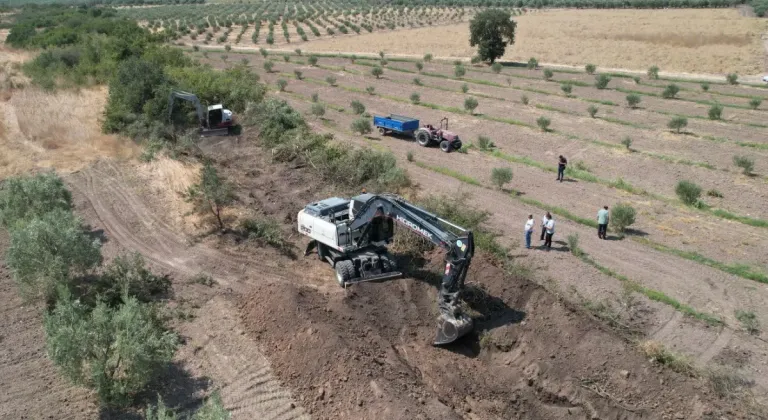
[451, 329]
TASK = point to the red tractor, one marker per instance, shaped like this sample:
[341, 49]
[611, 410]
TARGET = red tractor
[429, 134]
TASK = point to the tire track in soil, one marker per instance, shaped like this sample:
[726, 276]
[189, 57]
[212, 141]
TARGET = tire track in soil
[249, 389]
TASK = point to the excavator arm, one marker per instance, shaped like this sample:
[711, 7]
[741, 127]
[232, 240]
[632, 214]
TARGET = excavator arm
[191, 97]
[459, 247]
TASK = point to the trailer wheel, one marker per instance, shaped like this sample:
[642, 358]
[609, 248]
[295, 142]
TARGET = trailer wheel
[345, 270]
[422, 137]
[382, 131]
[445, 146]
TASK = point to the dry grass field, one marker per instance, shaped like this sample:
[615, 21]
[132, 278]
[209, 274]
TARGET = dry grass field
[687, 40]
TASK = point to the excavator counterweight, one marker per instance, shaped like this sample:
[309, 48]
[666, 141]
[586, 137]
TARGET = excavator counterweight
[352, 236]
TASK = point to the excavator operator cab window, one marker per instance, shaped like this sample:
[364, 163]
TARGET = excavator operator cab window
[215, 116]
[382, 229]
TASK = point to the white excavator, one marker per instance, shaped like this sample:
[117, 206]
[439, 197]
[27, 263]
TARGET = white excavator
[352, 235]
[215, 120]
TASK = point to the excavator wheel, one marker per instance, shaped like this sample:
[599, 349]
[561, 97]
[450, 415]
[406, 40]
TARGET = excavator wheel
[345, 270]
[451, 329]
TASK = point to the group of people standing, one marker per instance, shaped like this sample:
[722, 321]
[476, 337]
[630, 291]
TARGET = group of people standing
[548, 222]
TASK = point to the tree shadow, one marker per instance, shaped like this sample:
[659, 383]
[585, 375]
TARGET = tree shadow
[98, 234]
[177, 387]
[635, 232]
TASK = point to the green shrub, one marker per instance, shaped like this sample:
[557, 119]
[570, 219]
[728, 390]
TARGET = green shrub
[312, 60]
[361, 126]
[715, 112]
[228, 48]
[213, 409]
[636, 79]
[714, 193]
[524, 99]
[298, 52]
[496, 67]
[602, 80]
[592, 111]
[266, 230]
[331, 80]
[409, 156]
[377, 71]
[622, 216]
[567, 88]
[746, 163]
[688, 192]
[116, 351]
[370, 89]
[677, 123]
[670, 91]
[653, 72]
[459, 71]
[415, 98]
[23, 198]
[633, 100]
[501, 176]
[704, 86]
[464, 88]
[427, 57]
[573, 244]
[590, 68]
[532, 63]
[268, 65]
[315, 97]
[128, 275]
[417, 81]
[543, 123]
[475, 59]
[357, 107]
[748, 321]
[484, 143]
[419, 66]
[263, 52]
[318, 110]
[48, 251]
[754, 103]
[212, 193]
[297, 73]
[282, 84]
[470, 104]
[627, 142]
[548, 74]
[732, 78]
[287, 58]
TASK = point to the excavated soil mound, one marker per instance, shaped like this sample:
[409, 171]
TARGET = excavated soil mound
[366, 353]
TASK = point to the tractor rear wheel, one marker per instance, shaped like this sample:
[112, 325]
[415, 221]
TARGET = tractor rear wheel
[345, 270]
[445, 146]
[422, 137]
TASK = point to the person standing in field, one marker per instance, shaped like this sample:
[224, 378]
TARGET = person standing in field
[602, 222]
[550, 232]
[561, 168]
[529, 231]
[544, 225]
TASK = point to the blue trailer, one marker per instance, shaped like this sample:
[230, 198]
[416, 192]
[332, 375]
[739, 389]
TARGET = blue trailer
[395, 124]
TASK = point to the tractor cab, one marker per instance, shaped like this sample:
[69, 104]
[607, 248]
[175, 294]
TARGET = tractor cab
[219, 117]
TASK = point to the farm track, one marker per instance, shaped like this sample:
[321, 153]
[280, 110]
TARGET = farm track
[228, 356]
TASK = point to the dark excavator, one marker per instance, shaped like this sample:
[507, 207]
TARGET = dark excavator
[352, 235]
[214, 120]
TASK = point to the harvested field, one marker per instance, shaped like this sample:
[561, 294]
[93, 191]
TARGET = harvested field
[713, 41]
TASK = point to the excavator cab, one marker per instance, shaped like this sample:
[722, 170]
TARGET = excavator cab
[219, 117]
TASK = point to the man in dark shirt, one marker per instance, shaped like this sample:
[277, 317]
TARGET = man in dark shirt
[561, 168]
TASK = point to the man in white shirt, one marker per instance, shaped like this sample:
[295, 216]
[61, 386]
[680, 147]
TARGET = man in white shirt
[544, 226]
[529, 231]
[550, 231]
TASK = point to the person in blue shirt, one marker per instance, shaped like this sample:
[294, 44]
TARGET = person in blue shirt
[602, 222]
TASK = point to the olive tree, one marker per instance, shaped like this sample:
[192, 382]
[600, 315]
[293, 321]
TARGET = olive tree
[492, 30]
[28, 197]
[212, 194]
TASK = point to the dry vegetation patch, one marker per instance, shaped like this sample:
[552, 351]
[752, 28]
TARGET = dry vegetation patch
[684, 40]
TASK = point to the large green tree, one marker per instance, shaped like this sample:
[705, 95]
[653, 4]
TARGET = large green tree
[491, 30]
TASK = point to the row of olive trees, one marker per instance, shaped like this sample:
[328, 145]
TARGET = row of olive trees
[102, 329]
